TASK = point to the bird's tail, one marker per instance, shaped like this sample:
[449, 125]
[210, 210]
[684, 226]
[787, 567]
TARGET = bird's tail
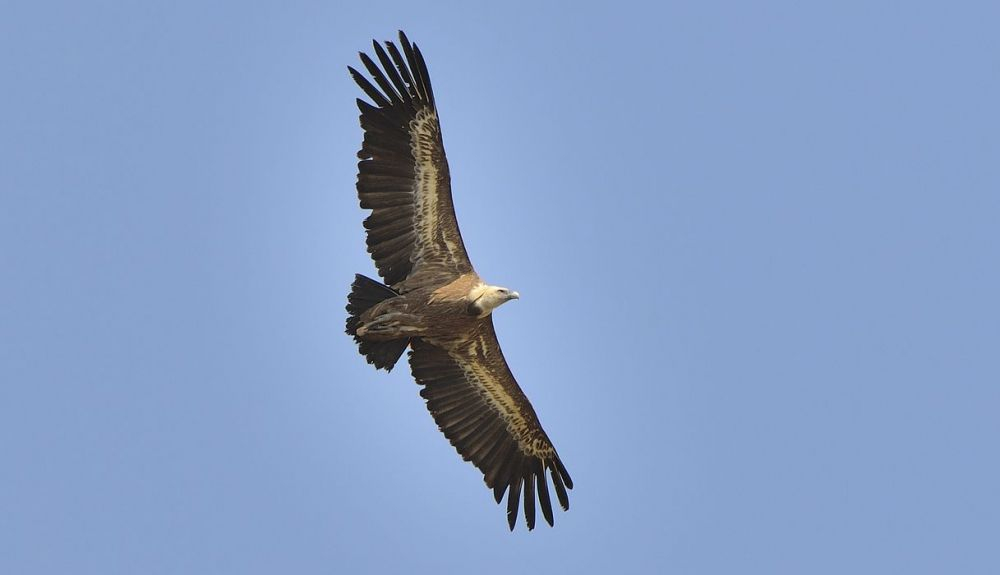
[365, 293]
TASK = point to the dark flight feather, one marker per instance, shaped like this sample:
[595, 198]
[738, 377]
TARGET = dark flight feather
[475, 424]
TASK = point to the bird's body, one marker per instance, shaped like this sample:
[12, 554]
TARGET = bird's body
[446, 316]
[432, 300]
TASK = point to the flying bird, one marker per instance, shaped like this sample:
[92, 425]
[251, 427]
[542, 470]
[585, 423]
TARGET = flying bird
[432, 300]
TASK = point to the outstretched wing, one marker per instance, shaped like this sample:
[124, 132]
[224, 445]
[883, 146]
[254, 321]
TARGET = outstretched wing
[403, 173]
[478, 405]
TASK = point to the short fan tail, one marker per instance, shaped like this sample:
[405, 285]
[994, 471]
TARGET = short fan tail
[365, 293]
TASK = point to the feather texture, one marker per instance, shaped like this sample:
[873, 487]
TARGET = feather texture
[403, 164]
[482, 411]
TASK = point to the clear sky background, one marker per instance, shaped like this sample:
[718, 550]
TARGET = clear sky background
[757, 246]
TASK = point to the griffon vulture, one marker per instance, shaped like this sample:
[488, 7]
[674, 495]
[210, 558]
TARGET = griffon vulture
[432, 300]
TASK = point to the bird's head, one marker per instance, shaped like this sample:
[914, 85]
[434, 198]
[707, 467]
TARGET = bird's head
[492, 297]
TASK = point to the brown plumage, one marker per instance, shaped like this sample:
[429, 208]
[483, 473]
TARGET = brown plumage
[433, 301]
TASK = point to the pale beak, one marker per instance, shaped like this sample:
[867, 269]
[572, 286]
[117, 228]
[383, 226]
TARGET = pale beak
[513, 295]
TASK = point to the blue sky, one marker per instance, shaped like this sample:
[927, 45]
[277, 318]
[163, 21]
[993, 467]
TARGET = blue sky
[756, 244]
